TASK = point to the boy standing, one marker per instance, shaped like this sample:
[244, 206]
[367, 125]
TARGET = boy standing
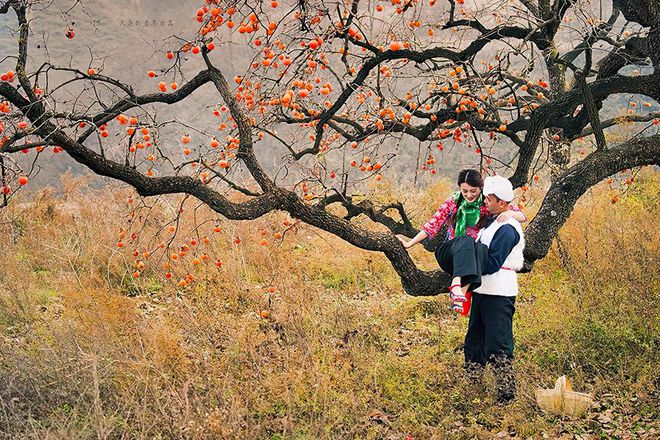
[489, 338]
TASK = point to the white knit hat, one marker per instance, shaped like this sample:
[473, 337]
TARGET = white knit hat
[499, 186]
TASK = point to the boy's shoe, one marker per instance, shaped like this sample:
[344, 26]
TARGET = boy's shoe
[504, 399]
[474, 373]
[505, 379]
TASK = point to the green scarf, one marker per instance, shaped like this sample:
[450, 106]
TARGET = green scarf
[468, 213]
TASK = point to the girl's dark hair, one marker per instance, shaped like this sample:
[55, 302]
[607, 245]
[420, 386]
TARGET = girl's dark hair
[471, 177]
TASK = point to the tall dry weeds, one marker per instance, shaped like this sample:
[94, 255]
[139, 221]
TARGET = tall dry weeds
[337, 351]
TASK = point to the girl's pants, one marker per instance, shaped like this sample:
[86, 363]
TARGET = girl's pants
[463, 257]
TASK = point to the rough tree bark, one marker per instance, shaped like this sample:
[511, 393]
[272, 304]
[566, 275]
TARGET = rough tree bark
[555, 114]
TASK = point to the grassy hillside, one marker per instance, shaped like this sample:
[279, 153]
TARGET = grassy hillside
[336, 351]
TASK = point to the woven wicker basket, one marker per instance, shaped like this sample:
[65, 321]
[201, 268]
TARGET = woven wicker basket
[562, 400]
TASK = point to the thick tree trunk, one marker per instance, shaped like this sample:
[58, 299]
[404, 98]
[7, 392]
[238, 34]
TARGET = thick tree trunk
[569, 187]
[555, 114]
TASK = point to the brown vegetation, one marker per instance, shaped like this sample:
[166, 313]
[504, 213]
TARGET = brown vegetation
[309, 337]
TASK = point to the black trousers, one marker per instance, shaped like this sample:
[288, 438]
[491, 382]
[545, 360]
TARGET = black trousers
[489, 339]
[463, 257]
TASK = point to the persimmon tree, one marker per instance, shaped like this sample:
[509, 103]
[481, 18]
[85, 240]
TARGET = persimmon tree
[338, 92]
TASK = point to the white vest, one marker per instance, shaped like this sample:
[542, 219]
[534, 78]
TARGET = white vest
[504, 282]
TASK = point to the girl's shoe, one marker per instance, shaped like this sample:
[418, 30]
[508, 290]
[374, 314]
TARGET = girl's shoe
[458, 299]
[465, 306]
[457, 295]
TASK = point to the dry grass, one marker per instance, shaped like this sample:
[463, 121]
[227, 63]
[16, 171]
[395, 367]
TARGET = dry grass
[89, 352]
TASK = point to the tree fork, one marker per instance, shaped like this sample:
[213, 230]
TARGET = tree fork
[568, 188]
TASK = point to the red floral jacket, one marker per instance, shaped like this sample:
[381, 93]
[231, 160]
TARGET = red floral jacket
[447, 211]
